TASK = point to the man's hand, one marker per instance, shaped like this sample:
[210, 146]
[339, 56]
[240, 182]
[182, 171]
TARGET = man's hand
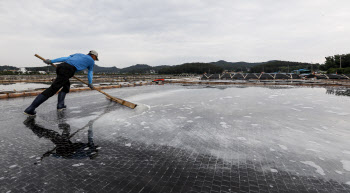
[90, 86]
[47, 61]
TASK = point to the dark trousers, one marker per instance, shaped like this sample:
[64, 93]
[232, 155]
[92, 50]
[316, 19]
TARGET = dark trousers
[64, 71]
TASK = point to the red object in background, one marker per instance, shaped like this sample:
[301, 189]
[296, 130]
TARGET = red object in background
[158, 80]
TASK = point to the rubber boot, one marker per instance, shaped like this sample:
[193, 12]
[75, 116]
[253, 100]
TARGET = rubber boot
[37, 102]
[60, 101]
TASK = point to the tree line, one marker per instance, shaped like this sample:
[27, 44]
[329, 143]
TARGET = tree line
[192, 68]
[337, 64]
[334, 64]
[283, 67]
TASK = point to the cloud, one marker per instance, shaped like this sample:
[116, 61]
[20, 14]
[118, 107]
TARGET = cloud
[158, 32]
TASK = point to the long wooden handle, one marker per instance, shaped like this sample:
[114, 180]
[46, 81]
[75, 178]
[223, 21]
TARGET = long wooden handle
[120, 101]
[43, 59]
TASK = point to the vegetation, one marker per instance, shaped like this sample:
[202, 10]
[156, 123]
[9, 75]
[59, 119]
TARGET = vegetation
[6, 68]
[8, 73]
[17, 73]
[99, 69]
[337, 64]
[283, 66]
[331, 65]
[339, 70]
[192, 68]
[235, 66]
[137, 69]
[157, 68]
[43, 68]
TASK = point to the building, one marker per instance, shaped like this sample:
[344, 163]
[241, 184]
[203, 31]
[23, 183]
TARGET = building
[42, 72]
[23, 70]
[301, 71]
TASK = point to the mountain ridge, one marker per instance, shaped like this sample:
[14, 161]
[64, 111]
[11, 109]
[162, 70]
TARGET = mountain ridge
[185, 67]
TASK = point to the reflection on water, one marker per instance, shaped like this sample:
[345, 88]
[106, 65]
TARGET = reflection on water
[65, 148]
[338, 91]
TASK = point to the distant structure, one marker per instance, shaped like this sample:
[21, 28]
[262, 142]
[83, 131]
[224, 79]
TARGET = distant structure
[301, 71]
[42, 72]
[272, 76]
[23, 70]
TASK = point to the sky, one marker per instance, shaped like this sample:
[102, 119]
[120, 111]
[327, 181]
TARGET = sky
[172, 32]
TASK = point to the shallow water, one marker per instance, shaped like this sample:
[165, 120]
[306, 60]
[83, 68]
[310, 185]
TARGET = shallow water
[285, 132]
[302, 125]
[22, 86]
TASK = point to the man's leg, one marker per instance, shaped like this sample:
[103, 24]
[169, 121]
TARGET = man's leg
[37, 102]
[60, 80]
[62, 96]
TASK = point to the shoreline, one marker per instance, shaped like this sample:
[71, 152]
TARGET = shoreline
[6, 79]
[35, 92]
[299, 83]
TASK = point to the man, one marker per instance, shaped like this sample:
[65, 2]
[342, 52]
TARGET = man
[65, 70]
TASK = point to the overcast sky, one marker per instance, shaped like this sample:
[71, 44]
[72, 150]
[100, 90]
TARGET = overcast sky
[170, 32]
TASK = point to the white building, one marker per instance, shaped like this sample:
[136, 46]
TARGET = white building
[23, 70]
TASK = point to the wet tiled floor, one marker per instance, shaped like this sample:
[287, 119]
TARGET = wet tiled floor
[179, 139]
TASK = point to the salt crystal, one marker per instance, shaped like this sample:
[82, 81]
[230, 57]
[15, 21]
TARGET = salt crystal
[77, 165]
[274, 171]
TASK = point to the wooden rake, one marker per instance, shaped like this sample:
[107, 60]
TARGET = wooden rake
[115, 99]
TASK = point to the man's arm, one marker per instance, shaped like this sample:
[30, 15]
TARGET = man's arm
[90, 74]
[63, 59]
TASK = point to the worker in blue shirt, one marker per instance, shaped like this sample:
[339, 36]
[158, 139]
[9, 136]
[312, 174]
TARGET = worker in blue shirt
[65, 70]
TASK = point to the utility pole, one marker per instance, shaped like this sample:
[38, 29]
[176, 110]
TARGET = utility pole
[340, 61]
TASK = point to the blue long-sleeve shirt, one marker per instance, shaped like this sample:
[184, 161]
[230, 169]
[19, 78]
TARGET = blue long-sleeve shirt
[80, 62]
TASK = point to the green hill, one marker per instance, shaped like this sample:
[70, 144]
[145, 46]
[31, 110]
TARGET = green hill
[42, 68]
[191, 68]
[137, 69]
[201, 67]
[235, 66]
[100, 69]
[3, 68]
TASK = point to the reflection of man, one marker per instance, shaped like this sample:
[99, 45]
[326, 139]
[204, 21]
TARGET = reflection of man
[64, 147]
